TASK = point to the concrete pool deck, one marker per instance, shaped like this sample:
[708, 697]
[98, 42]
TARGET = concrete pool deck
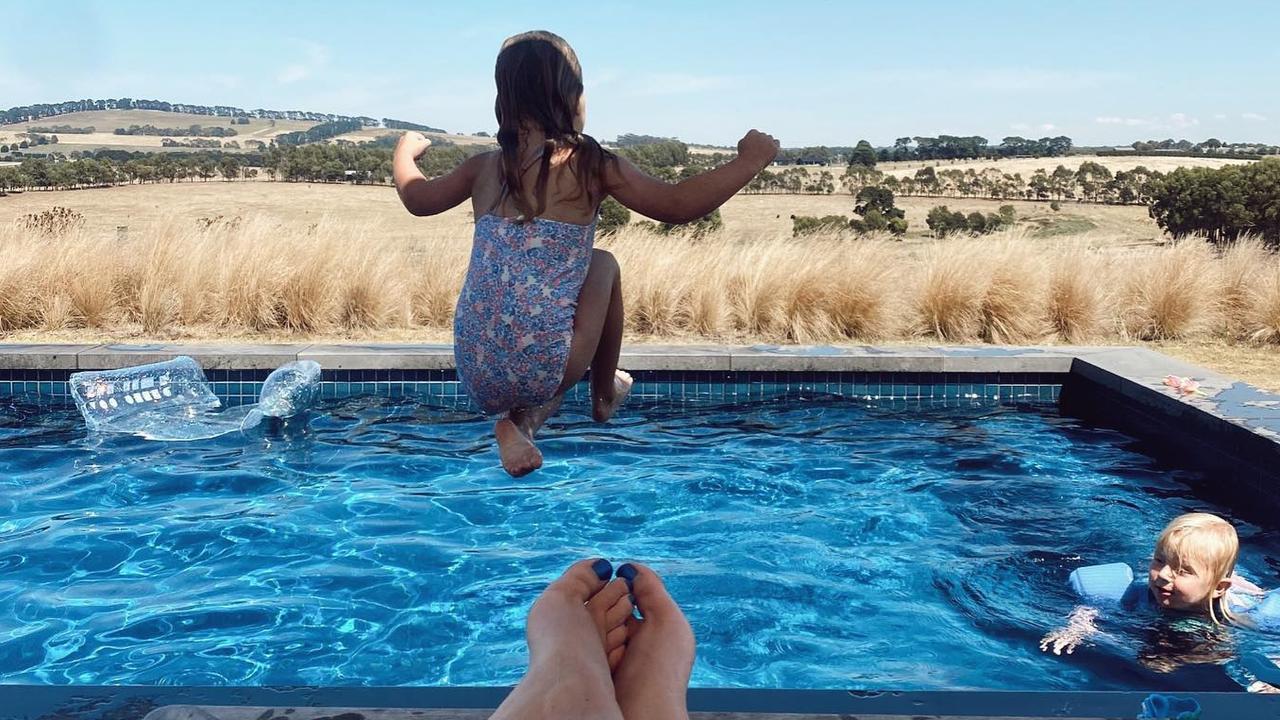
[1229, 428]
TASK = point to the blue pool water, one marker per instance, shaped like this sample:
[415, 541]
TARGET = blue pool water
[819, 543]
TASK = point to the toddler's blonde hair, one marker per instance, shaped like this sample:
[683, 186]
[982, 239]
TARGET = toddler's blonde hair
[1206, 543]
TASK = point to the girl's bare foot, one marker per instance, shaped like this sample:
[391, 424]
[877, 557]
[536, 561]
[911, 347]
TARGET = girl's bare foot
[610, 608]
[603, 408]
[568, 676]
[653, 678]
[519, 455]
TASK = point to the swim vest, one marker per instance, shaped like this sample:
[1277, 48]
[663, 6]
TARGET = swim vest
[1114, 583]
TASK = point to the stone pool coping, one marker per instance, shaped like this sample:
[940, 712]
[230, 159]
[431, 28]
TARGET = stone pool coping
[475, 703]
[754, 358]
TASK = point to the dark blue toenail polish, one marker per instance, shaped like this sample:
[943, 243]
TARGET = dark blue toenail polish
[627, 572]
[603, 568]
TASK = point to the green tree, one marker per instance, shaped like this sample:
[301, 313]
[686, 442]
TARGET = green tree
[976, 223]
[879, 199]
[863, 154]
[229, 167]
[942, 222]
[1221, 204]
[613, 216]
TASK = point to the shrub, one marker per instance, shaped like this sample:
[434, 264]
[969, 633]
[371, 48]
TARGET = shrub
[809, 225]
[942, 222]
[613, 215]
[54, 221]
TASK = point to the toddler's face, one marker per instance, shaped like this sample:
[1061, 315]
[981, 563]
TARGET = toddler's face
[1182, 588]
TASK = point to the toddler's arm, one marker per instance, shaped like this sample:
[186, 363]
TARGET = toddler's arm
[1079, 628]
[692, 198]
[428, 197]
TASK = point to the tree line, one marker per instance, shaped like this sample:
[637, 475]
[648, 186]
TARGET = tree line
[1210, 147]
[29, 113]
[404, 125]
[64, 129]
[189, 131]
[320, 132]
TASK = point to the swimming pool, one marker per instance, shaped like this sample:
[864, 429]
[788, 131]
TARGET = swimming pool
[815, 541]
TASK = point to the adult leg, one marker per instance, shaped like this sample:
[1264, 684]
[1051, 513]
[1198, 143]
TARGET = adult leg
[597, 337]
[568, 676]
[652, 680]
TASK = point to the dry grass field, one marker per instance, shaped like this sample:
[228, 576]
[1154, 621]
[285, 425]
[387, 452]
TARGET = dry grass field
[329, 261]
[106, 121]
[297, 262]
[745, 216]
[1114, 225]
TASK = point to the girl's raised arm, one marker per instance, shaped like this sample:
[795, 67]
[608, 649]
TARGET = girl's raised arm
[692, 198]
[429, 197]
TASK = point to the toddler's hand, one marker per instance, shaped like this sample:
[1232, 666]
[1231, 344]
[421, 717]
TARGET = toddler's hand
[413, 142]
[1066, 638]
[1079, 627]
[759, 147]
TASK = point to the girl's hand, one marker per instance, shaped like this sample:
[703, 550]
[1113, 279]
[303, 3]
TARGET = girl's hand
[758, 147]
[414, 143]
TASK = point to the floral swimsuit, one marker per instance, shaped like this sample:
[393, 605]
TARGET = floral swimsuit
[514, 321]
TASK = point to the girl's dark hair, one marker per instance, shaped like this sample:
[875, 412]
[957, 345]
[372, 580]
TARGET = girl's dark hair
[540, 83]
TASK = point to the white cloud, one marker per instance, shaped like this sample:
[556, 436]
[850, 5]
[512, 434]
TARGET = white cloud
[1219, 116]
[314, 57]
[1176, 121]
[1252, 116]
[1048, 126]
[1121, 121]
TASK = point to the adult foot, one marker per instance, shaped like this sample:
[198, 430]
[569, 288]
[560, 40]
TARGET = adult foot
[568, 674]
[610, 609]
[519, 455]
[652, 680]
[603, 407]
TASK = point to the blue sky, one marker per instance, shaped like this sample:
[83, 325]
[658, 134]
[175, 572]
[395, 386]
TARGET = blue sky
[808, 72]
